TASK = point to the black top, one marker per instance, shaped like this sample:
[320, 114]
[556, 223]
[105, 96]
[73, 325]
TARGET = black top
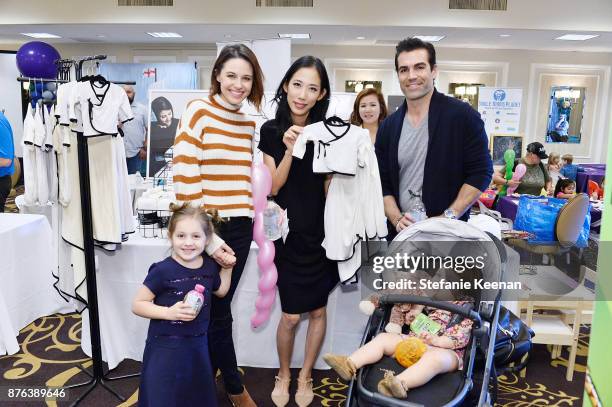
[303, 196]
[170, 282]
[457, 153]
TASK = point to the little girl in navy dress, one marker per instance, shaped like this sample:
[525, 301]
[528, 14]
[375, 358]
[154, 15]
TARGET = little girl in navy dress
[176, 368]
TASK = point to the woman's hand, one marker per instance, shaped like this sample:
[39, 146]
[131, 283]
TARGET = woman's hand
[180, 312]
[513, 183]
[291, 136]
[426, 337]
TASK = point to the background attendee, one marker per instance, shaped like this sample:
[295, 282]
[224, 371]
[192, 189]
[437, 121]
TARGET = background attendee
[135, 134]
[369, 110]
[536, 177]
[305, 275]
[163, 131]
[569, 170]
[566, 188]
[7, 158]
[213, 154]
[562, 125]
[553, 166]
[433, 149]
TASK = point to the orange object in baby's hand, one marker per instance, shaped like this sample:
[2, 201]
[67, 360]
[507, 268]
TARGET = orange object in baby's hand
[409, 351]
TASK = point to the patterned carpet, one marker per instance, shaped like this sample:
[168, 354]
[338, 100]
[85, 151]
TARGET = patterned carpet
[51, 355]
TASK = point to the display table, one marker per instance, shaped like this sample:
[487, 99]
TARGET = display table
[121, 273]
[592, 172]
[508, 205]
[26, 288]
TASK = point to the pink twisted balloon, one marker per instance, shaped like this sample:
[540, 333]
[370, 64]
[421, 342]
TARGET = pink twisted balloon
[261, 181]
[519, 171]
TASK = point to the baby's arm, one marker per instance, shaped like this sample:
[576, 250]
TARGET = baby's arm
[226, 279]
[143, 306]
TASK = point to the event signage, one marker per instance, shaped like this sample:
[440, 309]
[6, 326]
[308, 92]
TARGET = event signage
[500, 109]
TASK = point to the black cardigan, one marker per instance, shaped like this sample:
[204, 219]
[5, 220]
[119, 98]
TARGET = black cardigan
[457, 153]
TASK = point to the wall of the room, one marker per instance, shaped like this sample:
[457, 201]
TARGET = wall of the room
[519, 69]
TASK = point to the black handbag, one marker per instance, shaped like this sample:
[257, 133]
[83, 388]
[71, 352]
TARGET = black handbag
[512, 342]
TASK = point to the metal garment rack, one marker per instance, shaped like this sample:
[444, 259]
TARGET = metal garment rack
[97, 377]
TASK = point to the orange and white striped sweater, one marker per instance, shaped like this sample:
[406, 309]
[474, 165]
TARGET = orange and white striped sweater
[213, 154]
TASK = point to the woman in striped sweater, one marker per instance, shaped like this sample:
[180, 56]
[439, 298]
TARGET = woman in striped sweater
[212, 167]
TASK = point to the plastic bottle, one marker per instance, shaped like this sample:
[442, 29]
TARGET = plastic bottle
[195, 298]
[417, 211]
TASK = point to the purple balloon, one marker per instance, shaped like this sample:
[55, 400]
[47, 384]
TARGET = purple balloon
[36, 59]
[265, 258]
[267, 282]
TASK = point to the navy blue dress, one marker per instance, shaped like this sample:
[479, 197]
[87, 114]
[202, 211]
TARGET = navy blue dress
[176, 368]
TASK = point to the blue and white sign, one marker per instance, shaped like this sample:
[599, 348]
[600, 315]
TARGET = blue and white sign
[500, 109]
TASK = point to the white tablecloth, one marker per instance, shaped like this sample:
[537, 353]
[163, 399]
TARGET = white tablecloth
[26, 283]
[121, 273]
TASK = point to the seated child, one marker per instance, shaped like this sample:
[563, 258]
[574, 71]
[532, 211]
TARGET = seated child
[553, 166]
[569, 170]
[566, 189]
[596, 191]
[444, 353]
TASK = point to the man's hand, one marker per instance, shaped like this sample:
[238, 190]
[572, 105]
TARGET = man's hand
[142, 154]
[403, 222]
[225, 256]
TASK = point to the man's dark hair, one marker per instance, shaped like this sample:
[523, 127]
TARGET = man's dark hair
[411, 44]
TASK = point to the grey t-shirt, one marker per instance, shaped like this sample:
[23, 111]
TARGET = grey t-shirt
[412, 152]
[135, 131]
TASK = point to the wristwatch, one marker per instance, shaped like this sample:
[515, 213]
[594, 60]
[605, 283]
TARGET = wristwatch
[450, 214]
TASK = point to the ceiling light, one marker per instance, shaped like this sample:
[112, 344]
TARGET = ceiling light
[101, 36]
[41, 35]
[295, 36]
[227, 36]
[360, 38]
[576, 37]
[165, 35]
[505, 35]
[430, 38]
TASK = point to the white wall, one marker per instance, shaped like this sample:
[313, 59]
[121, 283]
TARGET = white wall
[10, 97]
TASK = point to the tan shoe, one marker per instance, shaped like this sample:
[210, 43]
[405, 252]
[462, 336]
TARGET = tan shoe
[241, 400]
[391, 386]
[342, 365]
[304, 394]
[280, 394]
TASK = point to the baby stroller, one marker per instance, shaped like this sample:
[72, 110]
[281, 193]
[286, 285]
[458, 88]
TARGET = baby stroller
[476, 383]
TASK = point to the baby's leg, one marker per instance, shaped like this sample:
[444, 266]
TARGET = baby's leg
[434, 361]
[383, 344]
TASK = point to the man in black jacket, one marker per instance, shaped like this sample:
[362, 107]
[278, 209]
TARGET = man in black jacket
[433, 151]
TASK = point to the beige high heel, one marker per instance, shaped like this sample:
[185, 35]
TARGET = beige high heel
[304, 394]
[280, 394]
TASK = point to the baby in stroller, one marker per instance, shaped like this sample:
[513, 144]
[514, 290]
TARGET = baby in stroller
[444, 352]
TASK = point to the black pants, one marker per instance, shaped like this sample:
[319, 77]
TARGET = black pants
[5, 190]
[237, 233]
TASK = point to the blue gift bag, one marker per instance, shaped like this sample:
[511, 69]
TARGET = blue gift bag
[538, 215]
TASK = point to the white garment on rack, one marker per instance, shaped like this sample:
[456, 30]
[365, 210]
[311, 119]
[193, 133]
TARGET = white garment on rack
[124, 195]
[61, 144]
[335, 147]
[72, 221]
[50, 157]
[29, 159]
[354, 208]
[42, 183]
[103, 106]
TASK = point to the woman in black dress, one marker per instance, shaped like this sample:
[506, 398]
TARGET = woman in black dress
[305, 275]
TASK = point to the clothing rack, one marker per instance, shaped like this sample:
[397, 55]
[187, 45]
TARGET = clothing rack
[97, 377]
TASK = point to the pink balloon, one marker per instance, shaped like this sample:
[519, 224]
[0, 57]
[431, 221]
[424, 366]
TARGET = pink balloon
[265, 258]
[260, 318]
[259, 234]
[265, 301]
[267, 282]
[261, 182]
[519, 171]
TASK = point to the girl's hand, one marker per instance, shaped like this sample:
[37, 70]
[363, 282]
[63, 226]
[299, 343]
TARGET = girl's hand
[180, 312]
[291, 136]
[426, 337]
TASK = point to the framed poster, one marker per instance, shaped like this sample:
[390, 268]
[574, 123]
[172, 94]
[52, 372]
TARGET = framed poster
[565, 114]
[502, 142]
[500, 109]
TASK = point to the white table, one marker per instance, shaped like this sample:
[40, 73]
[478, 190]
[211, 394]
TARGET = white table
[26, 280]
[121, 273]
